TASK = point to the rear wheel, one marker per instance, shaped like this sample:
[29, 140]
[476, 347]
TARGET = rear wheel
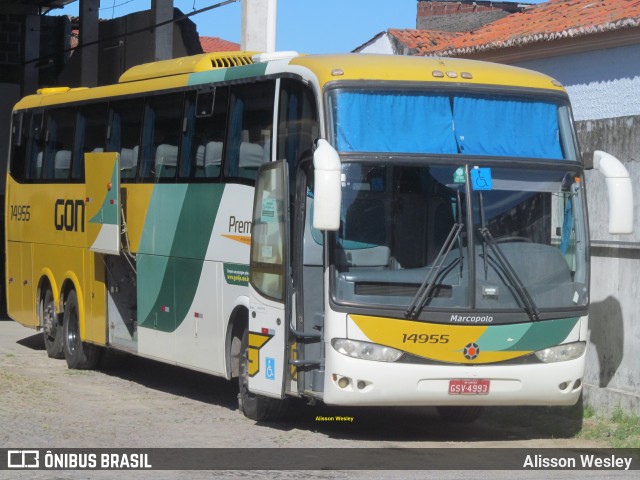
[460, 414]
[255, 407]
[79, 355]
[51, 328]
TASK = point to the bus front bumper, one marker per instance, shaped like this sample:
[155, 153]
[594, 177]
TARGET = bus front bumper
[350, 381]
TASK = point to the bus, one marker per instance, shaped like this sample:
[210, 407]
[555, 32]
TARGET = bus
[353, 229]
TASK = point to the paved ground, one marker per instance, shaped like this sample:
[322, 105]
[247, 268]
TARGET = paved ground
[148, 404]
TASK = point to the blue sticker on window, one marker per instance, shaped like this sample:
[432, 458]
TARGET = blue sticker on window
[270, 374]
[481, 179]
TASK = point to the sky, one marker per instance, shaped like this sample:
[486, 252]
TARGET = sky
[306, 26]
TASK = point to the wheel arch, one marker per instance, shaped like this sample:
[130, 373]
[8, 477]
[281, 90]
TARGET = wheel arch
[47, 279]
[238, 321]
[71, 282]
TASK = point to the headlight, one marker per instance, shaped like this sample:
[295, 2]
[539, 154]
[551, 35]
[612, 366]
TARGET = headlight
[562, 353]
[366, 350]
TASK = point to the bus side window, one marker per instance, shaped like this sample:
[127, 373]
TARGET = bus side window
[19, 136]
[250, 127]
[203, 138]
[162, 124]
[35, 149]
[297, 122]
[58, 143]
[90, 136]
[123, 134]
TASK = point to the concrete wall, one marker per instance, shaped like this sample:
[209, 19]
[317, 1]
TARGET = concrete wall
[604, 87]
[613, 357]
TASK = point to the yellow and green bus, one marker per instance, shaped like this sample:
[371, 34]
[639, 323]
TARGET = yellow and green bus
[350, 229]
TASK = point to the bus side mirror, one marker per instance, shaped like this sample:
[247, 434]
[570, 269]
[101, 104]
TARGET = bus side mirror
[327, 189]
[619, 190]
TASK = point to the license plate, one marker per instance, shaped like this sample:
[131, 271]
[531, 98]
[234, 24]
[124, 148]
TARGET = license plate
[469, 387]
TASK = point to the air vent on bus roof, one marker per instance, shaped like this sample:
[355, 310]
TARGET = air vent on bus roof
[230, 61]
[186, 65]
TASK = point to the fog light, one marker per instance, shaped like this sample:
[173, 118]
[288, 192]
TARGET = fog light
[361, 385]
[563, 385]
[343, 382]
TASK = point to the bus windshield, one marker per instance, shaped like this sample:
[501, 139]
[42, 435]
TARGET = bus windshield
[449, 123]
[465, 237]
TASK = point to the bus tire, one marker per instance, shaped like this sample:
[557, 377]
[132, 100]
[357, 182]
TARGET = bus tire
[255, 407]
[79, 355]
[460, 414]
[51, 328]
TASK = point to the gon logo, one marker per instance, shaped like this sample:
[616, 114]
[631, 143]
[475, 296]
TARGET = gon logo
[69, 215]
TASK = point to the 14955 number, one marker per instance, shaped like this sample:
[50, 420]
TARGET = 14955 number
[424, 338]
[21, 213]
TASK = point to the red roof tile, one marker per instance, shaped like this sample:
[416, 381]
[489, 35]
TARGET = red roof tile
[540, 23]
[215, 44]
[423, 40]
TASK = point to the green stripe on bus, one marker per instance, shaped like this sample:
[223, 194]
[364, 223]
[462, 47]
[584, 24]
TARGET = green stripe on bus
[108, 214]
[167, 302]
[207, 77]
[226, 74]
[246, 71]
[544, 334]
[526, 337]
[163, 215]
[153, 271]
[193, 229]
[501, 337]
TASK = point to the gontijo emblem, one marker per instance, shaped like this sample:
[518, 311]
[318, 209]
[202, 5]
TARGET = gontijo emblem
[471, 351]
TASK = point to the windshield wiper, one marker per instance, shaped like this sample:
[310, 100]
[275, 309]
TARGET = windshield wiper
[421, 297]
[523, 294]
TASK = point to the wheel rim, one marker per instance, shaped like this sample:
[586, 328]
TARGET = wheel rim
[72, 330]
[49, 322]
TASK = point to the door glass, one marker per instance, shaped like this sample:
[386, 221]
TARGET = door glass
[269, 232]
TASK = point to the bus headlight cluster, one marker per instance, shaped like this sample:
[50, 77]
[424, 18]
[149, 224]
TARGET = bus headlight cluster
[561, 353]
[365, 350]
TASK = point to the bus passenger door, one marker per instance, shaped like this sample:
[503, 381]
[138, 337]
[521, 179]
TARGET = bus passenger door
[269, 283]
[103, 202]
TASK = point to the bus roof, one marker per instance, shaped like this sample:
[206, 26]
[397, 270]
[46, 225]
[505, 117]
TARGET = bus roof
[422, 69]
[212, 67]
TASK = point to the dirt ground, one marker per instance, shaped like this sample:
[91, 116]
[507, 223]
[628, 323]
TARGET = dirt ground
[148, 404]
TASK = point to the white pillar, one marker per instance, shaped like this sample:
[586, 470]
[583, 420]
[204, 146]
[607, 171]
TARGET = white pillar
[259, 25]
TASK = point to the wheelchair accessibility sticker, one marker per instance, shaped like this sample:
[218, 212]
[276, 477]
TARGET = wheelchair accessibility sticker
[270, 374]
[481, 179]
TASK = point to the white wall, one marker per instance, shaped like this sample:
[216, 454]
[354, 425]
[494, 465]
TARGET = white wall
[378, 45]
[602, 84]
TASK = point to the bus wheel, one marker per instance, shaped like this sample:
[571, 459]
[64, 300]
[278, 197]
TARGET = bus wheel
[460, 414]
[79, 355]
[51, 329]
[255, 407]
